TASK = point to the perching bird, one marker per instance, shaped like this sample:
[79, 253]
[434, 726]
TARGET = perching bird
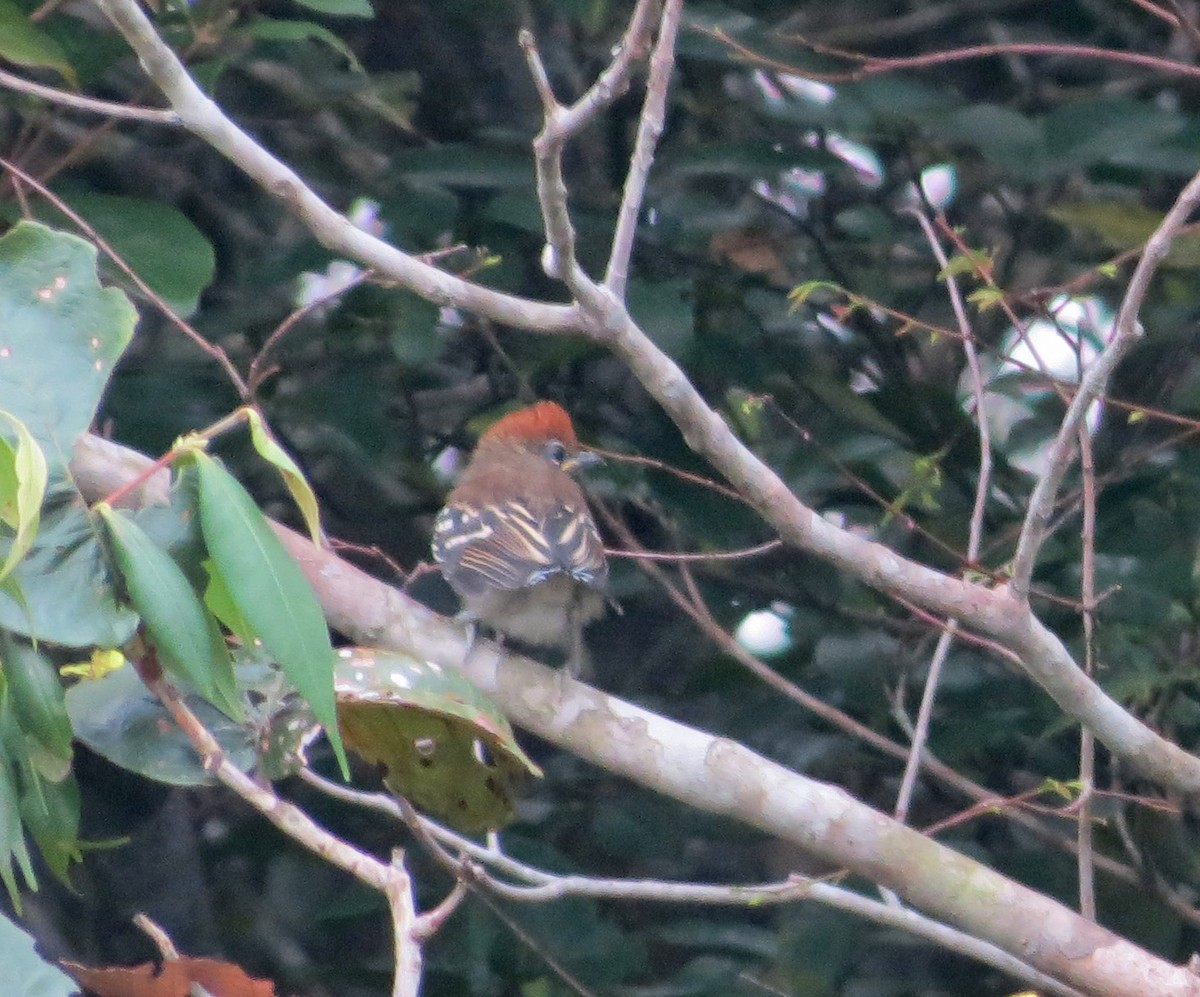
[515, 539]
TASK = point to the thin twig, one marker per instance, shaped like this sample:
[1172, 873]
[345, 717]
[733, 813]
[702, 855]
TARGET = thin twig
[1185, 24]
[217, 354]
[259, 372]
[109, 109]
[560, 125]
[156, 934]
[982, 489]
[1126, 331]
[716, 555]
[1087, 741]
[539, 886]
[871, 65]
[392, 881]
[604, 320]
[650, 128]
[716, 774]
[985, 800]
[201, 115]
[699, 614]
[406, 981]
[689, 476]
[284, 815]
[1157, 11]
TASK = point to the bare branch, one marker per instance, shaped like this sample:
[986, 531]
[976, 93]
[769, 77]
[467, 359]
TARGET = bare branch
[538, 886]
[1087, 743]
[202, 116]
[290, 819]
[650, 127]
[107, 108]
[405, 929]
[1126, 331]
[975, 538]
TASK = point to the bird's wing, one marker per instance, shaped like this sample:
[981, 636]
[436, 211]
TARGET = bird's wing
[509, 546]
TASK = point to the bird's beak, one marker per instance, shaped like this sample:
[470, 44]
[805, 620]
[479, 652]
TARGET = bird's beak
[581, 460]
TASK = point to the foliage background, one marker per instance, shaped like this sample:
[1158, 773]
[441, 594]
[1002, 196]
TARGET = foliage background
[1062, 161]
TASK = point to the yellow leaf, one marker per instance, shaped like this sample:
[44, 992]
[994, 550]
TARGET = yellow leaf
[103, 661]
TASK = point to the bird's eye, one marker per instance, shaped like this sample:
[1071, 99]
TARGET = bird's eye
[556, 451]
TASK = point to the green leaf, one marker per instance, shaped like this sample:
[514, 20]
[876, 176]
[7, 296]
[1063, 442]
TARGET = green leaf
[664, 311]
[1090, 130]
[38, 702]
[9, 484]
[13, 848]
[969, 263]
[25, 44]
[466, 166]
[985, 298]
[340, 8]
[799, 295]
[185, 634]
[220, 603]
[65, 590]
[749, 159]
[60, 335]
[269, 589]
[269, 29]
[29, 975]
[1006, 137]
[158, 241]
[1124, 225]
[51, 813]
[856, 409]
[414, 340]
[746, 413]
[293, 477]
[283, 724]
[119, 718]
[22, 490]
[443, 744]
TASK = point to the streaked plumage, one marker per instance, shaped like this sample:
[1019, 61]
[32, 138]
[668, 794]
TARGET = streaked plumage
[515, 539]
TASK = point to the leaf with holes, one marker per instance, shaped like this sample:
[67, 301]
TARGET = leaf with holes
[444, 746]
[60, 335]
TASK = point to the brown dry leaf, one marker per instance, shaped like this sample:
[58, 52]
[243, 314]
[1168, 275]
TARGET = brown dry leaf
[172, 979]
[751, 252]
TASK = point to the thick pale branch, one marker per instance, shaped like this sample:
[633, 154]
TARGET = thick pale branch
[719, 776]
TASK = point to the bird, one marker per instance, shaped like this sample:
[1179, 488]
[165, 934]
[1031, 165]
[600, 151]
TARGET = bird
[516, 540]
